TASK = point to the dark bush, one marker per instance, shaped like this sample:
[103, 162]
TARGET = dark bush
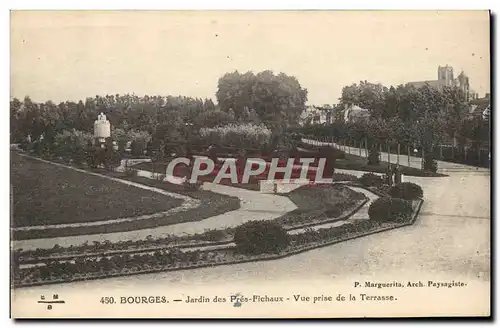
[192, 186]
[371, 180]
[106, 155]
[256, 237]
[389, 209]
[25, 145]
[406, 190]
[384, 188]
[374, 156]
[344, 177]
[130, 172]
[214, 235]
[137, 148]
[430, 163]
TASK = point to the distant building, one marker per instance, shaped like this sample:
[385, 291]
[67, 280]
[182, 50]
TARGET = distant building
[445, 78]
[317, 115]
[354, 113]
[480, 107]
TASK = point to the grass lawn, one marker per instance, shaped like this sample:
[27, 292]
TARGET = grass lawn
[319, 203]
[97, 199]
[323, 197]
[48, 194]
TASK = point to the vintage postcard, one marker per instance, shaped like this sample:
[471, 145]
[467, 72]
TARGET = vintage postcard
[250, 164]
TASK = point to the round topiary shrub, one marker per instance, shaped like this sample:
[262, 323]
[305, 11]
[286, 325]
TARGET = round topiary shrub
[371, 180]
[257, 237]
[406, 190]
[389, 209]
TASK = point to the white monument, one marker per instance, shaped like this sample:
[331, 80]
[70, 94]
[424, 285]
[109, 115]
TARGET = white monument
[102, 128]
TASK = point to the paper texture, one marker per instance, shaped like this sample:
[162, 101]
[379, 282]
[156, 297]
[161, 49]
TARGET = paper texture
[435, 264]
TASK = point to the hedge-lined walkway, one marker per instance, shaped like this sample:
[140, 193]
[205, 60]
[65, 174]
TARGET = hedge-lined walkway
[415, 162]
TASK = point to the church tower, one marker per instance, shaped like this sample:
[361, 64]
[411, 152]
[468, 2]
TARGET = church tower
[445, 75]
[463, 84]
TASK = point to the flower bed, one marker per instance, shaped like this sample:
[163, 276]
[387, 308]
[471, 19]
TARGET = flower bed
[302, 217]
[342, 201]
[175, 259]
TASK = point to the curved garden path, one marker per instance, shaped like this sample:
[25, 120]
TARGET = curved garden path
[254, 205]
[449, 241]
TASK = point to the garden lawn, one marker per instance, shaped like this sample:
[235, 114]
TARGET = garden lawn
[45, 194]
[323, 196]
[319, 203]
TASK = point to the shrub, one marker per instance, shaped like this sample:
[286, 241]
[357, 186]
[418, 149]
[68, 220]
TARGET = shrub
[130, 172]
[344, 177]
[42, 148]
[192, 186]
[25, 145]
[384, 188]
[256, 237]
[430, 163]
[242, 136]
[406, 190]
[374, 156]
[389, 209]
[371, 180]
[139, 142]
[72, 144]
[159, 176]
[214, 235]
[106, 156]
[212, 119]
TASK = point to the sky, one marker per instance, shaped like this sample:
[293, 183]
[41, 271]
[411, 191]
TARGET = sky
[71, 55]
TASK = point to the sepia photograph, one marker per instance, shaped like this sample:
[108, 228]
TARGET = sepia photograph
[250, 164]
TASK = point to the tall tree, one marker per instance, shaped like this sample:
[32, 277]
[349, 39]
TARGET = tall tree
[278, 100]
[366, 95]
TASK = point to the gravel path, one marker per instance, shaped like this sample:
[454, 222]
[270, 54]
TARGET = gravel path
[443, 167]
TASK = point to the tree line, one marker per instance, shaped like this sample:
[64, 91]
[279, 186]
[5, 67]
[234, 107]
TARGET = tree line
[165, 123]
[411, 117]
[417, 117]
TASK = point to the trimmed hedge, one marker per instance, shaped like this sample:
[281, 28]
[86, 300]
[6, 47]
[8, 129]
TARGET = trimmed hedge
[257, 237]
[344, 177]
[406, 190]
[241, 137]
[371, 180]
[389, 209]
